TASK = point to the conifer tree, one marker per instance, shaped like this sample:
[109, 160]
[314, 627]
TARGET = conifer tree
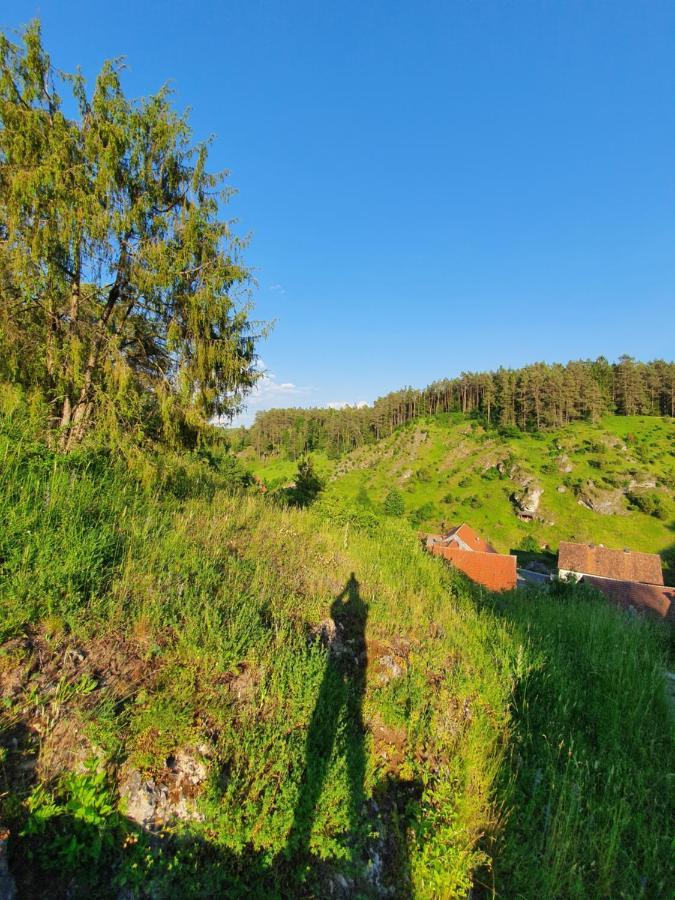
[122, 291]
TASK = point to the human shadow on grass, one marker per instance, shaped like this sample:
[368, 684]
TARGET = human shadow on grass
[337, 719]
[336, 730]
[337, 727]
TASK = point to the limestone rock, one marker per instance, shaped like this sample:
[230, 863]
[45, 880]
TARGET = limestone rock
[154, 802]
[605, 502]
[527, 500]
[564, 464]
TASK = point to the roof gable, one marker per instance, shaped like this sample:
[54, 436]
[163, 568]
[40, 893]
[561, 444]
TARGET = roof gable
[471, 539]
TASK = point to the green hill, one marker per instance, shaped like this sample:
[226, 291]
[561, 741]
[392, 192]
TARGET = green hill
[609, 483]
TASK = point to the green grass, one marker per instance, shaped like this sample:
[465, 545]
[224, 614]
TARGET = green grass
[587, 792]
[152, 603]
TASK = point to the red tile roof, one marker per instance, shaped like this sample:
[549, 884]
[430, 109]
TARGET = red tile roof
[622, 565]
[643, 597]
[495, 571]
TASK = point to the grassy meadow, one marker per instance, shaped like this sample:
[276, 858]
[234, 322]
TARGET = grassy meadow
[447, 471]
[369, 723]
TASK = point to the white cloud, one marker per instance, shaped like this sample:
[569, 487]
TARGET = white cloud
[268, 393]
[277, 288]
[343, 404]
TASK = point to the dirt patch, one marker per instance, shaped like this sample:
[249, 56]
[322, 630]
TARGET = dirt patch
[65, 748]
[242, 686]
[388, 660]
[122, 666]
[389, 746]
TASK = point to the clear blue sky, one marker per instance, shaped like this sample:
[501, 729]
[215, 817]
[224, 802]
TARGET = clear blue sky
[430, 186]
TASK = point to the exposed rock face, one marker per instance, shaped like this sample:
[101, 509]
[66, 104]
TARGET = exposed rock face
[527, 501]
[153, 803]
[607, 503]
[561, 489]
[7, 885]
[643, 484]
[564, 464]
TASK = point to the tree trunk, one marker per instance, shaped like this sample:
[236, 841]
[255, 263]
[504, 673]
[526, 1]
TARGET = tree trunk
[80, 413]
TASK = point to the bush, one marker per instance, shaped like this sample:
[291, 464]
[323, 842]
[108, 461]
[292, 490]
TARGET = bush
[649, 503]
[423, 513]
[393, 503]
[307, 486]
[529, 544]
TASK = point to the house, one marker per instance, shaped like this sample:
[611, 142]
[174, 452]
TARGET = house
[627, 578]
[576, 560]
[476, 557]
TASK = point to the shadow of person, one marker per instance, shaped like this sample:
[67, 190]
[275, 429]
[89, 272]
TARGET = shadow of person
[336, 726]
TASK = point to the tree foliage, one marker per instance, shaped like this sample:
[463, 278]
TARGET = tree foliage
[307, 485]
[535, 397]
[122, 291]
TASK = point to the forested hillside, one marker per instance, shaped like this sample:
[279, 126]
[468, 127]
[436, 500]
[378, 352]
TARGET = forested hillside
[535, 397]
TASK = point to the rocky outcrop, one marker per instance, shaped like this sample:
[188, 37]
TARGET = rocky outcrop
[527, 496]
[170, 796]
[605, 502]
[641, 484]
[564, 464]
[526, 500]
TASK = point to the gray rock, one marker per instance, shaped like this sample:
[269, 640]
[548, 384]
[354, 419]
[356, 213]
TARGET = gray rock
[564, 464]
[561, 489]
[642, 485]
[527, 501]
[389, 669]
[607, 503]
[7, 883]
[153, 803]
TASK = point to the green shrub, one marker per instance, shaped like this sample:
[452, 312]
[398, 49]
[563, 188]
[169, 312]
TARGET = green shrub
[650, 503]
[393, 503]
[529, 544]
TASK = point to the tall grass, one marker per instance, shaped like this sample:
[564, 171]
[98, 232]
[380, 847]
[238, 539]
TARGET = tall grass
[216, 583]
[586, 796]
[537, 720]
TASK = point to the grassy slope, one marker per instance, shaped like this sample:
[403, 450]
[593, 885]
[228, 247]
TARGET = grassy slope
[440, 465]
[204, 590]
[147, 608]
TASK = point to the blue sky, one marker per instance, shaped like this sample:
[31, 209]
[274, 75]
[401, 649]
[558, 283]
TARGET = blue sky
[430, 187]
